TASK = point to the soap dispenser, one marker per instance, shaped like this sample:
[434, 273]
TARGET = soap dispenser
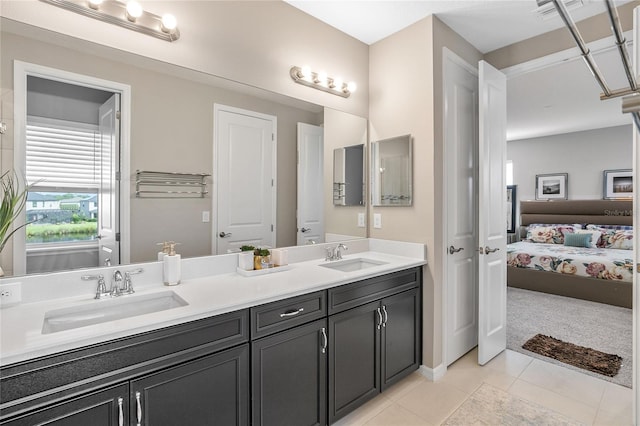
[171, 266]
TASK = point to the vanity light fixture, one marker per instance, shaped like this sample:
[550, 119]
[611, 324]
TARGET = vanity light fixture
[321, 81]
[128, 15]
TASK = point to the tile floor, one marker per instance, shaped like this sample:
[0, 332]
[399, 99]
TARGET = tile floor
[417, 401]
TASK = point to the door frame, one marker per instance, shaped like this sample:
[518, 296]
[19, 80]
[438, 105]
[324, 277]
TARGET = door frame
[448, 55]
[21, 70]
[217, 108]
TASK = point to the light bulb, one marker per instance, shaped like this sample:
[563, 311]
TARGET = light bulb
[94, 4]
[322, 78]
[306, 72]
[134, 10]
[352, 86]
[169, 23]
[338, 83]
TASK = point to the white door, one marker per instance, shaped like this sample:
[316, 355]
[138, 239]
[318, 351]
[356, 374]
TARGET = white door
[636, 224]
[492, 229]
[108, 192]
[245, 191]
[461, 156]
[310, 216]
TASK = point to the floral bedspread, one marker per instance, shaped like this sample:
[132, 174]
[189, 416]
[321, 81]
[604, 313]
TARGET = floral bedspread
[606, 264]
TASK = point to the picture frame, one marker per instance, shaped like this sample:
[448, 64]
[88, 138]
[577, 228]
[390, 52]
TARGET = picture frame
[617, 184]
[512, 191]
[552, 186]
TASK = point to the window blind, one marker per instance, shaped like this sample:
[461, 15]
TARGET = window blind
[62, 154]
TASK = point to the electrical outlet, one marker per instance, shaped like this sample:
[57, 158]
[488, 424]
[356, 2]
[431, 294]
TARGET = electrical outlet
[10, 294]
[360, 220]
[377, 220]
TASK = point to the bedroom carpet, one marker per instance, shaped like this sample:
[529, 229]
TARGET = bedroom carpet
[593, 325]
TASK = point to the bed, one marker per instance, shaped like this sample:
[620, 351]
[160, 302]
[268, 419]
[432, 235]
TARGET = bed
[601, 272]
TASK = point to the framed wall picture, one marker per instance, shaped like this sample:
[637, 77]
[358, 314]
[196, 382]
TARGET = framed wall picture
[552, 186]
[618, 184]
[511, 208]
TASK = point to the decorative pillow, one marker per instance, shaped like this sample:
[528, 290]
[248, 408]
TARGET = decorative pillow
[616, 227]
[614, 238]
[595, 236]
[577, 240]
[548, 234]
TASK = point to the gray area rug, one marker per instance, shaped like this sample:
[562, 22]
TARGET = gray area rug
[491, 406]
[594, 325]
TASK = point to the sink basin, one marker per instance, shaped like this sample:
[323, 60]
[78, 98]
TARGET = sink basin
[109, 310]
[350, 265]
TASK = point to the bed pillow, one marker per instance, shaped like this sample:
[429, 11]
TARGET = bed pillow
[595, 236]
[548, 234]
[614, 238]
[577, 240]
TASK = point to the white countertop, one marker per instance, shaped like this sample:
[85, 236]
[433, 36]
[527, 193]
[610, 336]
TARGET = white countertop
[21, 326]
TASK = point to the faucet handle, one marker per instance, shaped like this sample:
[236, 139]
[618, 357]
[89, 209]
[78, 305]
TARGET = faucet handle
[101, 289]
[329, 253]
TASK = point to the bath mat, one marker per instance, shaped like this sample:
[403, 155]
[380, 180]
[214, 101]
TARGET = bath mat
[578, 356]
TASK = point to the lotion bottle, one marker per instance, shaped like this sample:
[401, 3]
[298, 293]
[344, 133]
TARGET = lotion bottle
[171, 266]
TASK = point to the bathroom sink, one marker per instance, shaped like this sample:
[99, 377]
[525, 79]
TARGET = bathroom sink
[350, 265]
[98, 312]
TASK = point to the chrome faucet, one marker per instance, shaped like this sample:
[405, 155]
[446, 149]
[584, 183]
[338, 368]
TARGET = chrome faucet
[116, 287]
[335, 253]
[101, 289]
[120, 284]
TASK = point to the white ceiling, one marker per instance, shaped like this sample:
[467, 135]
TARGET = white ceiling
[556, 99]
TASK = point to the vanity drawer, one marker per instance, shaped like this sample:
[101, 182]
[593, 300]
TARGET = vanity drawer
[284, 314]
[355, 294]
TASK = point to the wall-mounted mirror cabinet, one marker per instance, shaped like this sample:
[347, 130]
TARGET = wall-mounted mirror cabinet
[391, 172]
[348, 176]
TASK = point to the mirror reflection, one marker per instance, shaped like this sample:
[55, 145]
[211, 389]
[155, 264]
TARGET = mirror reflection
[348, 176]
[167, 125]
[391, 172]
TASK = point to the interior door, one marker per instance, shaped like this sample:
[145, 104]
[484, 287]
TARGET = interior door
[461, 145]
[310, 215]
[492, 229]
[108, 192]
[245, 175]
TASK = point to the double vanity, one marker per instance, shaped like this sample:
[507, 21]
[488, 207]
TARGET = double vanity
[302, 346]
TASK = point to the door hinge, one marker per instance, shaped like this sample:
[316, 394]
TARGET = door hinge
[273, 137]
[118, 115]
[271, 228]
[117, 236]
[117, 175]
[272, 182]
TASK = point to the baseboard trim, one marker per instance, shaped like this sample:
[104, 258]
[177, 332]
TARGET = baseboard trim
[433, 374]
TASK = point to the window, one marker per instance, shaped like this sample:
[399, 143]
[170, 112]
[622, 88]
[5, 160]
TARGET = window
[509, 172]
[63, 167]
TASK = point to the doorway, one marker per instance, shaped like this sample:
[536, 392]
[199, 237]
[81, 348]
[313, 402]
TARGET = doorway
[72, 134]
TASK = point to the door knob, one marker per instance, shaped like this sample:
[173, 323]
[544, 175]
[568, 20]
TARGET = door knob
[225, 234]
[488, 250]
[452, 249]
[305, 229]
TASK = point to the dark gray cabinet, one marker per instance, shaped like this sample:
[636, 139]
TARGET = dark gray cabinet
[289, 377]
[213, 390]
[372, 344]
[107, 407]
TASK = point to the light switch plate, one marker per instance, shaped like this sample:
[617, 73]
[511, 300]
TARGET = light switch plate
[361, 220]
[377, 220]
[206, 216]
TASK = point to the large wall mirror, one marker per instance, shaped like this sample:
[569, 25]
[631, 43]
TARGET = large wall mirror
[391, 172]
[172, 130]
[348, 176]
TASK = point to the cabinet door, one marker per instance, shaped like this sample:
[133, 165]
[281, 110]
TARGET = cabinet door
[289, 377]
[400, 336]
[213, 390]
[103, 408]
[354, 358]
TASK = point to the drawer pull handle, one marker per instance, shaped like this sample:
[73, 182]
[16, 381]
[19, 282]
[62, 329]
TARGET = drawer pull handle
[324, 340]
[386, 316]
[291, 313]
[379, 318]
[120, 412]
[138, 408]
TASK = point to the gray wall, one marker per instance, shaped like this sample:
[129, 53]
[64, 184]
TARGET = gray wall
[583, 155]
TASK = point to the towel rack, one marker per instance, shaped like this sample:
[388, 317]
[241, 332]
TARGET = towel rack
[150, 184]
